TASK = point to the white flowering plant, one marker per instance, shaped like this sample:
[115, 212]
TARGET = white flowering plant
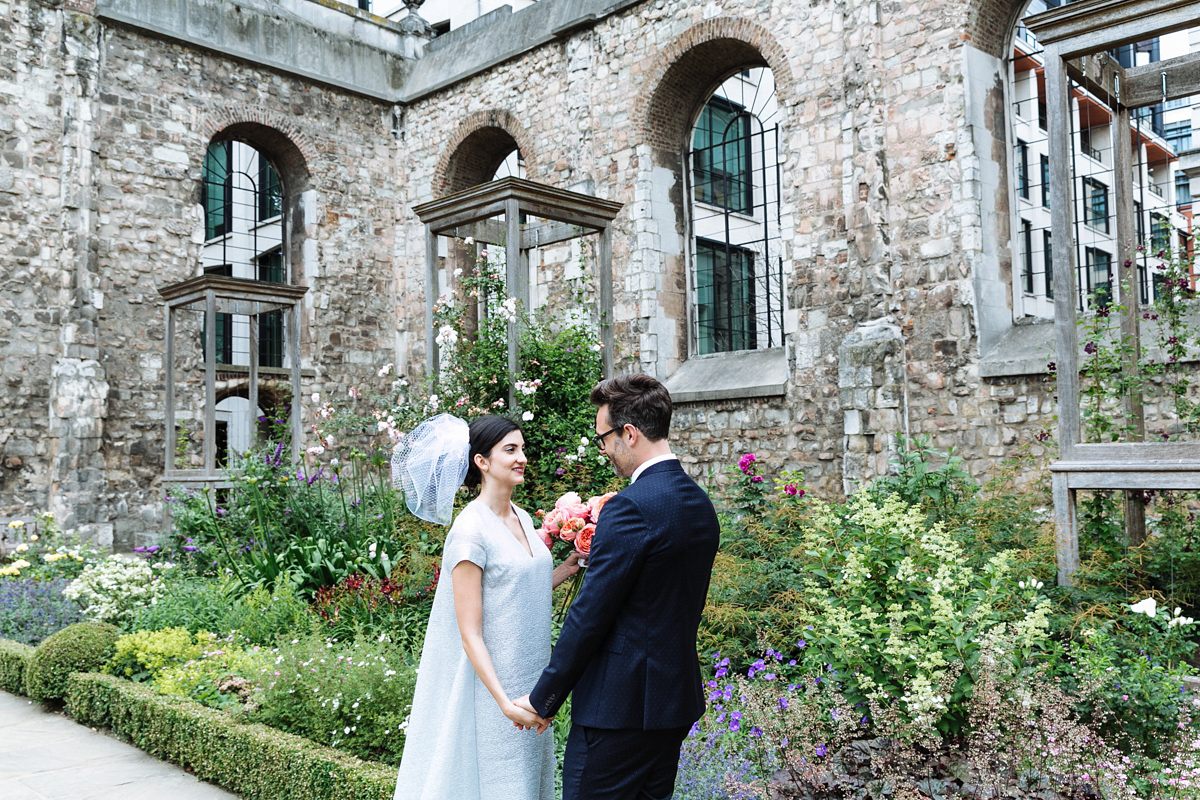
[116, 589]
[899, 615]
[354, 696]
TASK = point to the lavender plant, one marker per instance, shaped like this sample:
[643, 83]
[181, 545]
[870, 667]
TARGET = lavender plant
[31, 609]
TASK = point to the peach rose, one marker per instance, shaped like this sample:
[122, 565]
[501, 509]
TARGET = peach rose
[595, 504]
[583, 540]
[554, 520]
[571, 528]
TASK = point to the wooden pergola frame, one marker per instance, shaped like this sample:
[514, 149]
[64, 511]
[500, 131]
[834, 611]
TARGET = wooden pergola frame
[470, 213]
[220, 294]
[1076, 38]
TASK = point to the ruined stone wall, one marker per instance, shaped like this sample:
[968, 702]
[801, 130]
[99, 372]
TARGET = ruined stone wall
[881, 221]
[98, 218]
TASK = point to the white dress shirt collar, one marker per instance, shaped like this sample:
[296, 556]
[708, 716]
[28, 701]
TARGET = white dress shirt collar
[650, 462]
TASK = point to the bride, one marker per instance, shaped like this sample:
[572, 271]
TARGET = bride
[489, 632]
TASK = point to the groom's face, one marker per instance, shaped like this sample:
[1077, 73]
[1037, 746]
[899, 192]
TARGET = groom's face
[614, 444]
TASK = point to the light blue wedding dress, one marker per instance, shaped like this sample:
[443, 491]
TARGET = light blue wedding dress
[458, 746]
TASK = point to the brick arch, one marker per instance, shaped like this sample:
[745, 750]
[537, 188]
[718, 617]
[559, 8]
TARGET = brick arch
[288, 147]
[479, 145]
[692, 66]
[991, 24]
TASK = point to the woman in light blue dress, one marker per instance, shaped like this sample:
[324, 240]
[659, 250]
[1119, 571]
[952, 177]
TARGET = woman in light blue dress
[487, 642]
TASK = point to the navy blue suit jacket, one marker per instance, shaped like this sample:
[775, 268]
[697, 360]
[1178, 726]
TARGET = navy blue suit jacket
[628, 645]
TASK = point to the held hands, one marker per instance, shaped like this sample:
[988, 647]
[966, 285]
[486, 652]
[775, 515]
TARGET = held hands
[524, 717]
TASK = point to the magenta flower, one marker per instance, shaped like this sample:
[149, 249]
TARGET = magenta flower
[790, 490]
[746, 463]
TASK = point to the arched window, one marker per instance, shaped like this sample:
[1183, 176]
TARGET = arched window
[737, 258]
[1155, 166]
[243, 202]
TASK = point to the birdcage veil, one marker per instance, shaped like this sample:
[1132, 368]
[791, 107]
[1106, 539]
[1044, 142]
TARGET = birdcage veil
[430, 464]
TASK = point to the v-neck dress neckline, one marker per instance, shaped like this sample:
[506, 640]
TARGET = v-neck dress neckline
[524, 532]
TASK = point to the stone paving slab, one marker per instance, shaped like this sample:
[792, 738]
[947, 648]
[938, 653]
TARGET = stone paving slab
[47, 756]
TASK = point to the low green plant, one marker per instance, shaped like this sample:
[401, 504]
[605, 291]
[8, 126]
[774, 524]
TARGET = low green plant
[262, 617]
[141, 656]
[364, 607]
[351, 696]
[82, 647]
[197, 604]
[223, 675]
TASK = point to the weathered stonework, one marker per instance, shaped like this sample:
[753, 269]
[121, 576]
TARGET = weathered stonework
[893, 208]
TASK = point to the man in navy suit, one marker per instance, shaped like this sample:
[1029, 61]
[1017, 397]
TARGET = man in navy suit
[628, 646]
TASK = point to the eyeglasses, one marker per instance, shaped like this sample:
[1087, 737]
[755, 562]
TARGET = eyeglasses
[598, 440]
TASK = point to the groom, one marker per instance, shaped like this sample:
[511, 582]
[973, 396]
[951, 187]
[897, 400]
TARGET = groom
[628, 645]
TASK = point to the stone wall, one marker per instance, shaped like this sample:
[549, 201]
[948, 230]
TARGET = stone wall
[104, 126]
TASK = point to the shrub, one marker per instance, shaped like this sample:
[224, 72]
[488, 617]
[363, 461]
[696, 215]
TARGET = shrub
[197, 604]
[116, 589]
[263, 617]
[31, 609]
[47, 553]
[14, 658]
[82, 647]
[141, 656]
[222, 675]
[248, 760]
[355, 697]
[365, 607]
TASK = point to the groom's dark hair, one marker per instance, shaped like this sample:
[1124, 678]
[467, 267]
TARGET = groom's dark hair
[636, 400]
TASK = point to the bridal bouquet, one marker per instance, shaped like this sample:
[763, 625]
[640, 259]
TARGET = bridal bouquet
[569, 526]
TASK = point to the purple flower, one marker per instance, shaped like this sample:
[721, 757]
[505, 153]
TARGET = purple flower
[735, 721]
[187, 548]
[559, 471]
[783, 703]
[790, 490]
[1090, 348]
[822, 750]
[756, 478]
[746, 463]
[802, 644]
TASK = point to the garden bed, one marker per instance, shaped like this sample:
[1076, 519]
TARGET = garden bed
[253, 761]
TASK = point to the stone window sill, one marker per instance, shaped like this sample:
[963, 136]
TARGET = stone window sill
[730, 376]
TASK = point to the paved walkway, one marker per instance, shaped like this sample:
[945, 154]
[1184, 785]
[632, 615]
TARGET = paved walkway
[45, 756]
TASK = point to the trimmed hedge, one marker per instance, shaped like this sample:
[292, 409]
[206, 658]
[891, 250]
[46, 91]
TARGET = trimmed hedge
[250, 760]
[82, 647]
[14, 657]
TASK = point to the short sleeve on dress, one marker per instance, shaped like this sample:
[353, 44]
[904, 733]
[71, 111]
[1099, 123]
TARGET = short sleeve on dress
[465, 543]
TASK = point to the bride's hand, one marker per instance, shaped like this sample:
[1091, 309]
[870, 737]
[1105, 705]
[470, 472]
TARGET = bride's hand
[569, 567]
[524, 718]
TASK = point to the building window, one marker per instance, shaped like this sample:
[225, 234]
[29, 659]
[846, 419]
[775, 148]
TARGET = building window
[224, 344]
[1179, 135]
[270, 193]
[1099, 277]
[1045, 181]
[1023, 169]
[1160, 232]
[1183, 189]
[1027, 255]
[724, 297]
[1048, 258]
[721, 156]
[1095, 200]
[1086, 147]
[216, 189]
[270, 325]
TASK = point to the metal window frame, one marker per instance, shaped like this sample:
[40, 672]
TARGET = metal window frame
[1076, 38]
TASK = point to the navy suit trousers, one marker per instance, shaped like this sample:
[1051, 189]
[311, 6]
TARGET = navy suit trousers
[606, 764]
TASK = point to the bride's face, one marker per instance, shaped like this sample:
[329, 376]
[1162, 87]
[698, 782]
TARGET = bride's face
[506, 463]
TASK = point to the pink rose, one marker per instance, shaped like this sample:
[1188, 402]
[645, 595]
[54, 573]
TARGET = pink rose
[583, 540]
[571, 528]
[547, 537]
[568, 499]
[554, 520]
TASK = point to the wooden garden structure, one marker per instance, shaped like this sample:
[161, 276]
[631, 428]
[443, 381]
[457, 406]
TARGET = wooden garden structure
[216, 294]
[1077, 39]
[564, 216]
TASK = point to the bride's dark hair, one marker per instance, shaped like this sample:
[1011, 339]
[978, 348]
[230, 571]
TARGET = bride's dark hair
[485, 433]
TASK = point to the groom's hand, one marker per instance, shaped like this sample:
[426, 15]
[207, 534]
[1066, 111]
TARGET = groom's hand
[523, 702]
